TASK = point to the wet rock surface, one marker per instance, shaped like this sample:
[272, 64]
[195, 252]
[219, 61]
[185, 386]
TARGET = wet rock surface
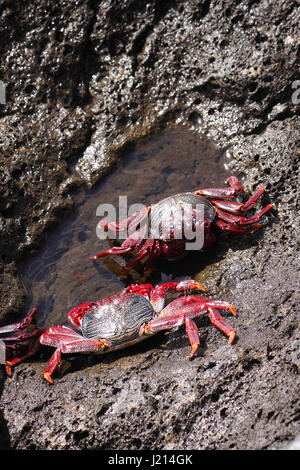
[85, 79]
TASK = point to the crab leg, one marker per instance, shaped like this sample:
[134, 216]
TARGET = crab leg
[184, 310]
[130, 244]
[150, 250]
[67, 341]
[24, 344]
[226, 227]
[20, 325]
[238, 220]
[76, 314]
[235, 184]
[235, 189]
[229, 206]
[161, 323]
[237, 207]
[159, 293]
[216, 192]
[20, 346]
[252, 200]
[193, 334]
[152, 259]
[195, 305]
[220, 323]
[256, 217]
[129, 223]
[75, 346]
[57, 335]
[144, 252]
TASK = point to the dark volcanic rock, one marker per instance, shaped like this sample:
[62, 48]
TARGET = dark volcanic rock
[85, 78]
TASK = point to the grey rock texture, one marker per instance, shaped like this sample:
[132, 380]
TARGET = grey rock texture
[83, 80]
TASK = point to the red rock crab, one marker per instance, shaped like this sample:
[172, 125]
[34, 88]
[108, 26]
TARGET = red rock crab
[219, 212]
[123, 319]
[127, 317]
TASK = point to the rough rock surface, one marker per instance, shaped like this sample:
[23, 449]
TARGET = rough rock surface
[85, 78]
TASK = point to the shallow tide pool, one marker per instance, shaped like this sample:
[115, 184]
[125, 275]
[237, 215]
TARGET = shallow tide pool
[60, 275]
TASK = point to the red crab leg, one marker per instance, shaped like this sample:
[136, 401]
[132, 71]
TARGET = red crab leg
[193, 335]
[235, 184]
[229, 206]
[130, 244]
[67, 341]
[142, 289]
[150, 250]
[130, 223]
[20, 325]
[226, 227]
[238, 220]
[195, 305]
[235, 189]
[56, 335]
[220, 323]
[82, 345]
[76, 314]
[176, 312]
[237, 207]
[34, 345]
[171, 321]
[145, 251]
[216, 192]
[152, 259]
[159, 293]
[256, 217]
[26, 344]
[252, 199]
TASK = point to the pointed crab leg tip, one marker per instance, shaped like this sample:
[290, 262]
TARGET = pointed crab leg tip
[200, 286]
[194, 349]
[231, 337]
[232, 310]
[8, 369]
[94, 257]
[47, 376]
